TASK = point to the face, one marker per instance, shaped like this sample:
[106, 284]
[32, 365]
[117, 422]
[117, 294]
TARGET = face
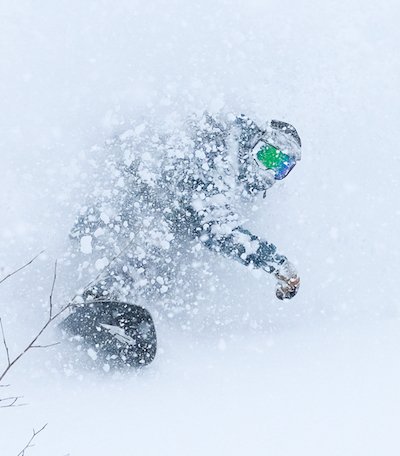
[271, 159]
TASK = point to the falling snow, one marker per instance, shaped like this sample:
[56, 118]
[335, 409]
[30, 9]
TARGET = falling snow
[97, 96]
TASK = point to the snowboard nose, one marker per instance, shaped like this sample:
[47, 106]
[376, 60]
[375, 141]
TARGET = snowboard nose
[120, 333]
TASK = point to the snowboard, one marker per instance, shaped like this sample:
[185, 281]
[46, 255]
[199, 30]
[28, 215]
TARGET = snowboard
[118, 333]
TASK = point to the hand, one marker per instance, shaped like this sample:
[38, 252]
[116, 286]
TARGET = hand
[288, 281]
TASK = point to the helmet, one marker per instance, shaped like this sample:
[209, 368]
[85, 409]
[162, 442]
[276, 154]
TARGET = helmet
[285, 129]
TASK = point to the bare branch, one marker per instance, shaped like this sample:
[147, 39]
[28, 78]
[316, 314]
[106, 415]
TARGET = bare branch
[52, 316]
[5, 342]
[12, 402]
[20, 269]
[46, 346]
[52, 290]
[29, 444]
[12, 398]
[33, 341]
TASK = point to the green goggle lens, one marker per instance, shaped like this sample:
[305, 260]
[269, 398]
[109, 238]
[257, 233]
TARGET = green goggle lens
[272, 158]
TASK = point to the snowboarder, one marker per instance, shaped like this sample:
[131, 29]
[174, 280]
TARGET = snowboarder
[171, 192]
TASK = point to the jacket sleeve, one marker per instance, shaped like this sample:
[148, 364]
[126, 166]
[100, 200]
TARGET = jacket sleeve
[240, 244]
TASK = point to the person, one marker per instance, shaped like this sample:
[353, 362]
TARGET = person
[172, 191]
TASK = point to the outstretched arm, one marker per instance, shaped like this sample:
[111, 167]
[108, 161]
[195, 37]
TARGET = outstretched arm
[243, 246]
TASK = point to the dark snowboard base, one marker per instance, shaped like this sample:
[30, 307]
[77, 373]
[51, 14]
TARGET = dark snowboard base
[119, 333]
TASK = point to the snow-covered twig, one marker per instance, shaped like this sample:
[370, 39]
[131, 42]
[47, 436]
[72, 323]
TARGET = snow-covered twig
[30, 444]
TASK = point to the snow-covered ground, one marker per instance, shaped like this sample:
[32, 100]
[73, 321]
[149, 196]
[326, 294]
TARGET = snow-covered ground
[316, 376]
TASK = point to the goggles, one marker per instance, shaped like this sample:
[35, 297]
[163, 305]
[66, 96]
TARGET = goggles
[269, 157]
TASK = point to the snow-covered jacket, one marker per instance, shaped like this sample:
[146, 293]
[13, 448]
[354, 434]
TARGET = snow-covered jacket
[164, 184]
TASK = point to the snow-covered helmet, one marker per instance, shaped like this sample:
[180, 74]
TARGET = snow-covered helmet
[278, 149]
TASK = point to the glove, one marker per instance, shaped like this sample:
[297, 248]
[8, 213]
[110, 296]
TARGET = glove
[288, 281]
